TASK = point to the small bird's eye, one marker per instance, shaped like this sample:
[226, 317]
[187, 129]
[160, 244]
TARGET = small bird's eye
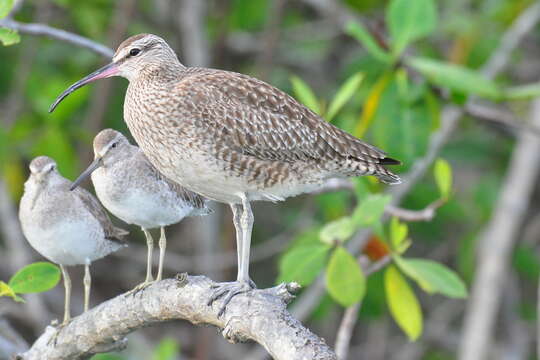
[114, 145]
[134, 52]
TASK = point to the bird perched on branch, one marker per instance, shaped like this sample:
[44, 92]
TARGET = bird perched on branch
[66, 227]
[230, 137]
[134, 191]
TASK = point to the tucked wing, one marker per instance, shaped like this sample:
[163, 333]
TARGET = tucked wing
[254, 118]
[94, 207]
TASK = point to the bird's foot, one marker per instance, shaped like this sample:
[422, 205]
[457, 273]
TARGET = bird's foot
[58, 328]
[140, 287]
[228, 290]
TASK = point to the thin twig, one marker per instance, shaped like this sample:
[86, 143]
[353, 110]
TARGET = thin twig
[498, 116]
[343, 339]
[45, 30]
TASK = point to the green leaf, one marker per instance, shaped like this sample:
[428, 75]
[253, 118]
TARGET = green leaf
[371, 209]
[303, 263]
[34, 278]
[522, 91]
[167, 349]
[6, 290]
[5, 8]
[344, 279]
[358, 31]
[9, 36]
[398, 232]
[305, 95]
[455, 77]
[338, 231]
[403, 303]
[443, 177]
[345, 92]
[409, 20]
[433, 277]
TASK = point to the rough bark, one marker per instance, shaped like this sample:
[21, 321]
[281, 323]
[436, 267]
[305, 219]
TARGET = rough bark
[260, 315]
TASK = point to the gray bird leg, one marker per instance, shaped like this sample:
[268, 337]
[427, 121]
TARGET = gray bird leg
[237, 214]
[150, 245]
[162, 247]
[243, 222]
[87, 281]
[246, 221]
[67, 299]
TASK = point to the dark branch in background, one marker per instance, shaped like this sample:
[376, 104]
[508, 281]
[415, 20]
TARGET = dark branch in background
[499, 116]
[260, 315]
[58, 34]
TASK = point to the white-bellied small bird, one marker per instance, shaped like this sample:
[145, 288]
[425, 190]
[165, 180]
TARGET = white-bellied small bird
[135, 192]
[66, 227]
[230, 137]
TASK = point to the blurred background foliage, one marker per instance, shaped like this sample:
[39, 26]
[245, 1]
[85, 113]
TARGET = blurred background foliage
[381, 70]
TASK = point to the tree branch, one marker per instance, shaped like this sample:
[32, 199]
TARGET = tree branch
[260, 315]
[45, 30]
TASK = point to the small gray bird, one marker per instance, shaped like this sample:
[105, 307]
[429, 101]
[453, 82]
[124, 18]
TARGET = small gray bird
[134, 191]
[230, 137]
[66, 227]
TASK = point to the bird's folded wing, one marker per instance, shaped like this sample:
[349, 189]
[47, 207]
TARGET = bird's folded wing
[93, 206]
[252, 117]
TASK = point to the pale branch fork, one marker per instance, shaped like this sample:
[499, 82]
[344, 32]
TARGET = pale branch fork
[260, 315]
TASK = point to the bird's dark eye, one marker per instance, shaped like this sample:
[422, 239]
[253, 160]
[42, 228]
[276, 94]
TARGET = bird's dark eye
[114, 145]
[134, 52]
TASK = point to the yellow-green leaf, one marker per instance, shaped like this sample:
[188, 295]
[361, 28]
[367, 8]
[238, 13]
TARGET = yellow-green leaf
[303, 263]
[358, 31]
[345, 92]
[305, 95]
[34, 278]
[371, 104]
[5, 7]
[433, 277]
[409, 20]
[371, 209]
[398, 232]
[338, 231]
[6, 290]
[345, 280]
[443, 177]
[9, 36]
[455, 77]
[404, 305]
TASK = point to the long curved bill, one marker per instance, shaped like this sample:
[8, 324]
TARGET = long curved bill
[106, 71]
[86, 173]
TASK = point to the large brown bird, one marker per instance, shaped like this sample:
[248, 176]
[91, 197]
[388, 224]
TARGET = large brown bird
[230, 137]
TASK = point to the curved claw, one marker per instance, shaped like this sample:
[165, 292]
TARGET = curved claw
[228, 291]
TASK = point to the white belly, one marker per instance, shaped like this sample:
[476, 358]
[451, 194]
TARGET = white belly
[145, 210]
[68, 243]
